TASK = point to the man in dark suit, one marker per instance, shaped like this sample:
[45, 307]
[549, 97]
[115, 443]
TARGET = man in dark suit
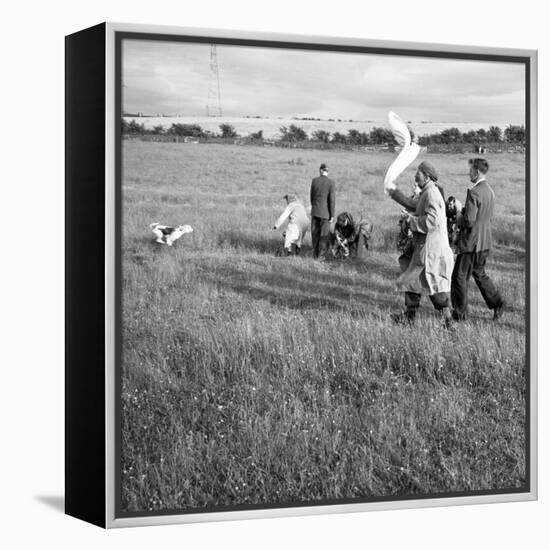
[322, 198]
[474, 244]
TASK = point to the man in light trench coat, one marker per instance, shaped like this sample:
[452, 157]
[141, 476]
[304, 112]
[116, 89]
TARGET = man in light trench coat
[429, 268]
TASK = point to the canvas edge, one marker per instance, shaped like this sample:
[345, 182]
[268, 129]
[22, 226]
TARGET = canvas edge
[533, 282]
[316, 510]
[317, 39]
[84, 262]
[110, 292]
[110, 279]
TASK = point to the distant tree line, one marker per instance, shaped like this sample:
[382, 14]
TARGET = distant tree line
[294, 134]
[134, 128]
[512, 134]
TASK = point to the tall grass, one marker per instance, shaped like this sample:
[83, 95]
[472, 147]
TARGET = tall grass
[250, 379]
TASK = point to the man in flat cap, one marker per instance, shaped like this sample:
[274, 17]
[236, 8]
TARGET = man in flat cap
[474, 244]
[322, 196]
[428, 267]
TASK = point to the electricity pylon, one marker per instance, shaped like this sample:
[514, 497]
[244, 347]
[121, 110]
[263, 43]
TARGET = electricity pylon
[214, 103]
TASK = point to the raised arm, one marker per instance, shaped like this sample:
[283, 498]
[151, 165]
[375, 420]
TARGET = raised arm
[283, 217]
[408, 203]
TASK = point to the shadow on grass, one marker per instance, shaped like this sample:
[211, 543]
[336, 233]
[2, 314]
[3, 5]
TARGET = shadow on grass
[356, 288]
[360, 287]
[269, 244]
[255, 242]
[296, 285]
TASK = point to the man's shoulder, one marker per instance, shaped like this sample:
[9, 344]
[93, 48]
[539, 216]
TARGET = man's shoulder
[432, 190]
[322, 180]
[481, 190]
[486, 187]
[433, 193]
[327, 181]
[474, 191]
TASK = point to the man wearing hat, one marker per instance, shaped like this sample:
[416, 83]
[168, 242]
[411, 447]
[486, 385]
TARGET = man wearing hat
[474, 244]
[322, 196]
[428, 268]
[409, 203]
[298, 223]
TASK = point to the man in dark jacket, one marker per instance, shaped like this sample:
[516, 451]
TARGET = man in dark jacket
[322, 198]
[351, 237]
[474, 244]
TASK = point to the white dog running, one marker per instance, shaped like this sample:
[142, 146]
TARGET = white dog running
[168, 235]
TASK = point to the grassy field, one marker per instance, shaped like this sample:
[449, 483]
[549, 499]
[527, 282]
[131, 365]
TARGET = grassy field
[250, 379]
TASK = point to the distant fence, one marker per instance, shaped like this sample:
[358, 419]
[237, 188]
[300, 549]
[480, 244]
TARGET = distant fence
[310, 144]
[457, 148]
[501, 147]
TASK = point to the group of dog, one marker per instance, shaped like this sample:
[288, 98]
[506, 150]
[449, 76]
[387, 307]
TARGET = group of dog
[349, 238]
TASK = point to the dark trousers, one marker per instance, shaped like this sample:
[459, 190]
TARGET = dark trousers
[320, 236]
[412, 301]
[466, 265]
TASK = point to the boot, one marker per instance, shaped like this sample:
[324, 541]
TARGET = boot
[498, 312]
[404, 318]
[447, 317]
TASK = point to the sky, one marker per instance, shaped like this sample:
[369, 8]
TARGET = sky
[174, 78]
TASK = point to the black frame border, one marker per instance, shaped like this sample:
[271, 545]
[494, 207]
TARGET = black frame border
[85, 262]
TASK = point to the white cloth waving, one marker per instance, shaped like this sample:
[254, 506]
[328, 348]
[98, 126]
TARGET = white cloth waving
[407, 154]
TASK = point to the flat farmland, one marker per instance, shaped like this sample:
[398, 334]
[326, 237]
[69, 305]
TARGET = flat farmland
[250, 379]
[271, 126]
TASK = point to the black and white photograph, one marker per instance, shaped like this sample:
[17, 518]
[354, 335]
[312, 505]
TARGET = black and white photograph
[285, 280]
[323, 275]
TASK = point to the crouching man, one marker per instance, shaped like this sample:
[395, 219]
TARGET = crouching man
[298, 223]
[428, 268]
[351, 237]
